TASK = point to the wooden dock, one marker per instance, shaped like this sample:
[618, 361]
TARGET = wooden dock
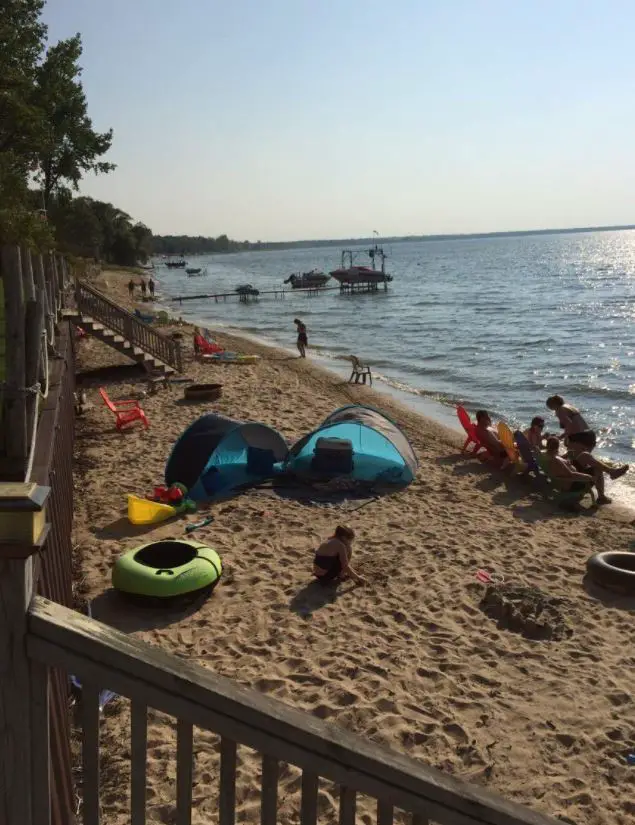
[280, 294]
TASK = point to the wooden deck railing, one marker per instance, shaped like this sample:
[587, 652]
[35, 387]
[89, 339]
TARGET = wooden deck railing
[91, 302]
[104, 658]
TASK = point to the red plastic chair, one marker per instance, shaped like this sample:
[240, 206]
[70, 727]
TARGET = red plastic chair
[126, 412]
[470, 428]
[202, 345]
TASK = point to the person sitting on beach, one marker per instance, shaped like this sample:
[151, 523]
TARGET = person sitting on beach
[303, 341]
[333, 557]
[584, 462]
[567, 477]
[572, 422]
[534, 433]
[488, 437]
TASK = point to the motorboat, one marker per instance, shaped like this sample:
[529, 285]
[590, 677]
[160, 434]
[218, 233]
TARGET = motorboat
[180, 264]
[308, 280]
[247, 289]
[347, 273]
[192, 270]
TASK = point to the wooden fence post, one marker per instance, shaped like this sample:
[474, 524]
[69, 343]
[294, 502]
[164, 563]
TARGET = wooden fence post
[14, 402]
[23, 531]
[34, 328]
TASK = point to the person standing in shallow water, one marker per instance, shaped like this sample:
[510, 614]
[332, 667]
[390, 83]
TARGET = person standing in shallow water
[303, 341]
[151, 288]
[131, 286]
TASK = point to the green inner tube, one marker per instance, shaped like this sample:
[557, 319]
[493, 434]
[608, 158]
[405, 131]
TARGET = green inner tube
[165, 569]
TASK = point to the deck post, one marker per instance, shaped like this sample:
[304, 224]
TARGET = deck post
[23, 531]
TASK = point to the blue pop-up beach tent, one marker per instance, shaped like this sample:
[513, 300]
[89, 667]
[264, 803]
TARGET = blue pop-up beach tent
[366, 444]
[215, 455]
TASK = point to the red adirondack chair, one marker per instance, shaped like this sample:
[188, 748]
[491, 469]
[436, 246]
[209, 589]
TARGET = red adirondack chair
[126, 412]
[205, 347]
[470, 428]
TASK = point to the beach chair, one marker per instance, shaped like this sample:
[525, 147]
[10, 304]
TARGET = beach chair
[470, 428]
[204, 347]
[563, 497]
[126, 412]
[527, 454]
[360, 370]
[507, 440]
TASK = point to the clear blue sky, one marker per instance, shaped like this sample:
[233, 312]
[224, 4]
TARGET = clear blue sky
[286, 119]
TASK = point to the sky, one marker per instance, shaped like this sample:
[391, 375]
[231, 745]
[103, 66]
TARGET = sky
[296, 119]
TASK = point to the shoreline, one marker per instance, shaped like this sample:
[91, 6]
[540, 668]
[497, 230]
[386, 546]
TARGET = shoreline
[412, 660]
[441, 414]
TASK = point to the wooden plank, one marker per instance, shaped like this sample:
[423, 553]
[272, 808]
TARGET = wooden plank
[227, 791]
[132, 668]
[90, 753]
[348, 805]
[138, 743]
[384, 813]
[16, 587]
[40, 744]
[308, 806]
[14, 413]
[28, 282]
[184, 763]
[269, 790]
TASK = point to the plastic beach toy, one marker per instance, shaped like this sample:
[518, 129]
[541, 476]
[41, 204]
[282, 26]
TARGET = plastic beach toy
[144, 511]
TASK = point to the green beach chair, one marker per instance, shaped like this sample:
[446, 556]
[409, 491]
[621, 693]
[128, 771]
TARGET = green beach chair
[563, 498]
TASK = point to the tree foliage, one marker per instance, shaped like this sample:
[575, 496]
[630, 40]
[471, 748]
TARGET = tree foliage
[70, 147]
[93, 229]
[188, 245]
[45, 132]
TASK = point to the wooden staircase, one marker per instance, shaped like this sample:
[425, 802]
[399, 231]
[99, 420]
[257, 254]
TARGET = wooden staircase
[120, 329]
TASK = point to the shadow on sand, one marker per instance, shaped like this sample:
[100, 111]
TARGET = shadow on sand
[129, 616]
[121, 528]
[607, 597]
[314, 596]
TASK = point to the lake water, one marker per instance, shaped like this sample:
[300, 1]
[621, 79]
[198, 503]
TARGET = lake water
[496, 323]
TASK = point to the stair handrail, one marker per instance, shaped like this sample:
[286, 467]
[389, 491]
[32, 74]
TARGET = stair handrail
[113, 315]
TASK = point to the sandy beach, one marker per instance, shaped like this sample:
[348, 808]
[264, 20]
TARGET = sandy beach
[410, 660]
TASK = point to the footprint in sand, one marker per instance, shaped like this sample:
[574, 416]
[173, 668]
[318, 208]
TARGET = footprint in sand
[457, 733]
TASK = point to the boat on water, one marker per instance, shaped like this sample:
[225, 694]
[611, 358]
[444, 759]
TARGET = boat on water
[247, 289]
[308, 280]
[350, 274]
[192, 270]
[180, 264]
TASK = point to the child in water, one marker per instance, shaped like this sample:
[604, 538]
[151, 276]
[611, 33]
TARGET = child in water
[303, 341]
[332, 558]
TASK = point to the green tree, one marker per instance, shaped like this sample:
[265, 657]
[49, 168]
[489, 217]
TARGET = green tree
[21, 44]
[70, 146]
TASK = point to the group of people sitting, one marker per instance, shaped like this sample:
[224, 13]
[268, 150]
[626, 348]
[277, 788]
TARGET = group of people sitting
[578, 469]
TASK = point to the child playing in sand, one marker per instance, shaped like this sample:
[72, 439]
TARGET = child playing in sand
[332, 558]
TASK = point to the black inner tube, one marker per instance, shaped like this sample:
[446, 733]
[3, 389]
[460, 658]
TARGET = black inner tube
[164, 554]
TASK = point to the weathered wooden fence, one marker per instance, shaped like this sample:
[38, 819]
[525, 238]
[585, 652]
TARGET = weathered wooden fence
[37, 408]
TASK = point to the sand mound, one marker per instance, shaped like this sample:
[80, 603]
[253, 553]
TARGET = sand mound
[527, 610]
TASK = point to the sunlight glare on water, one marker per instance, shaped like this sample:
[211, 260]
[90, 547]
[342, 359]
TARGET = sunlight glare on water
[499, 323]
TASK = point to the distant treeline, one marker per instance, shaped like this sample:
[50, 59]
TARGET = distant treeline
[189, 245]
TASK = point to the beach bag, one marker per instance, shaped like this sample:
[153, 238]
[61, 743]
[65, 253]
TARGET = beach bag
[333, 456]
